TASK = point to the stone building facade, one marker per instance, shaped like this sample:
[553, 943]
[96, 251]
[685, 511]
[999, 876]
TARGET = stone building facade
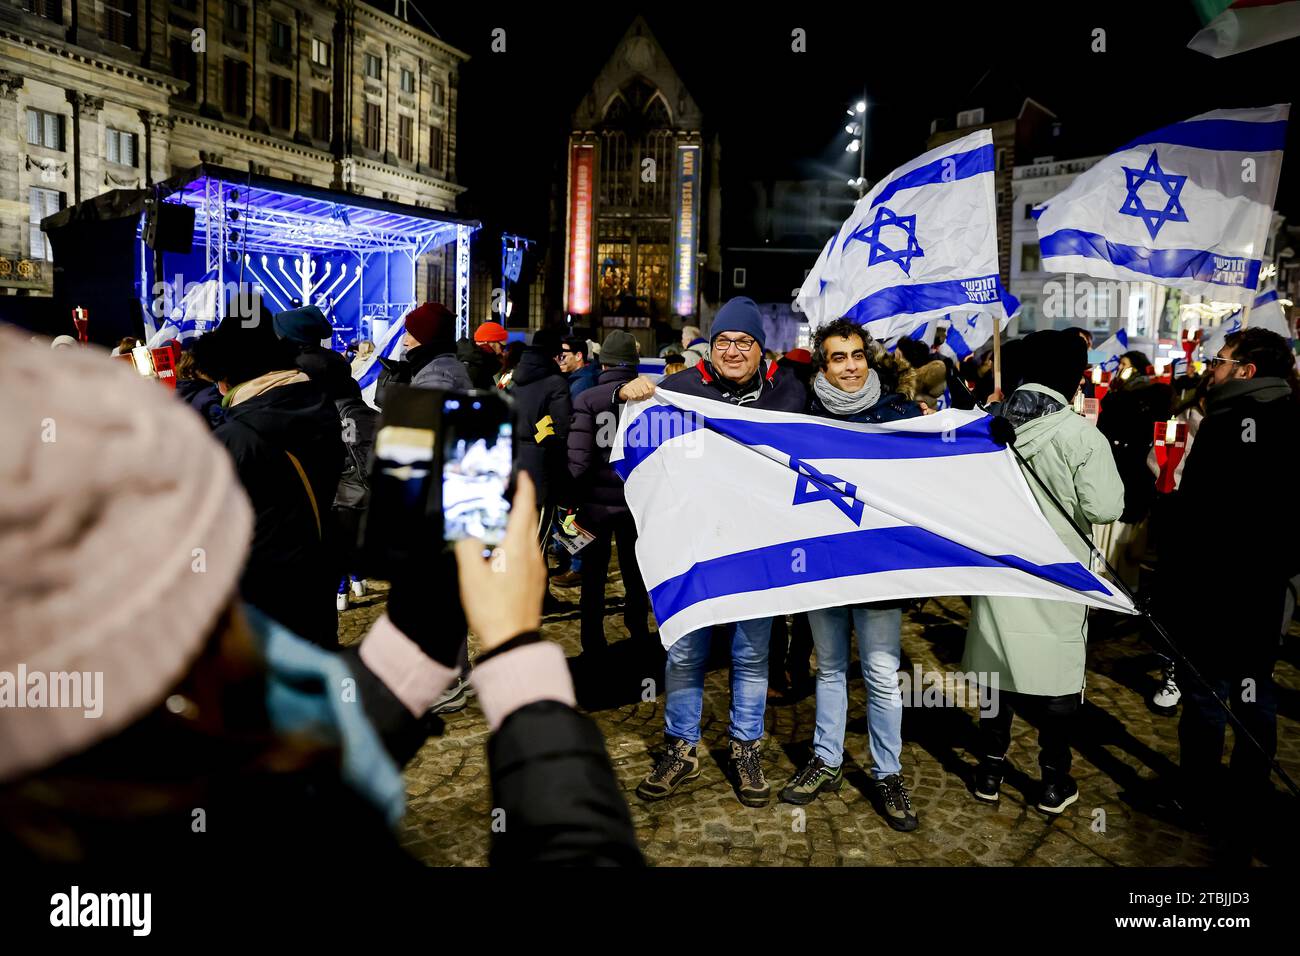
[104, 94]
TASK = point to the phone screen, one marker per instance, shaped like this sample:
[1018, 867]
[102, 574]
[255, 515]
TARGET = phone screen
[477, 456]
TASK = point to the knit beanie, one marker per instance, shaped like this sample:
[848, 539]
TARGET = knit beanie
[490, 332]
[123, 531]
[434, 325]
[739, 315]
[619, 348]
[305, 325]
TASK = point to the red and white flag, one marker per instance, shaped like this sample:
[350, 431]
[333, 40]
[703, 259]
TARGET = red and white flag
[1248, 25]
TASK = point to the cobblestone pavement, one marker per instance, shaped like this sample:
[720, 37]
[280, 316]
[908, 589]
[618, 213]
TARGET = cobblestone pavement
[1121, 747]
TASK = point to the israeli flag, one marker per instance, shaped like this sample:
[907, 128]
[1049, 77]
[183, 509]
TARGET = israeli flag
[1186, 206]
[791, 513]
[1107, 355]
[923, 242]
[924, 332]
[368, 377]
[1266, 312]
[968, 332]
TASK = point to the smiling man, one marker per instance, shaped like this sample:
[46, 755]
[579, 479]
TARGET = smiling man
[735, 372]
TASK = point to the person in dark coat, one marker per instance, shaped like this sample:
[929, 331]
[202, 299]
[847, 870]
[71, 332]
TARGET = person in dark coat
[201, 394]
[304, 328]
[484, 358]
[542, 413]
[1133, 405]
[430, 360]
[602, 510]
[283, 433]
[1230, 550]
[737, 374]
[359, 424]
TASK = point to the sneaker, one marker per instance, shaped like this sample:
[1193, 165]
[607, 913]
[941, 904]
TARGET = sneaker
[988, 779]
[341, 601]
[454, 699]
[752, 788]
[896, 803]
[812, 780]
[1165, 700]
[358, 588]
[569, 579]
[1057, 795]
[678, 764]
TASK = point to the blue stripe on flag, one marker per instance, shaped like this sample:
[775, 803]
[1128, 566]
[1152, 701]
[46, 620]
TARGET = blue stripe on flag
[973, 162]
[1266, 297]
[869, 551]
[1224, 135]
[802, 440]
[1158, 263]
[930, 297]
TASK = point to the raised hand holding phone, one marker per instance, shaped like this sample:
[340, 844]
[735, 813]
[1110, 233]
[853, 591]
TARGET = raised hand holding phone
[502, 593]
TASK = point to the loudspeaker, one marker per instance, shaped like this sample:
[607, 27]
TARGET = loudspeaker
[169, 227]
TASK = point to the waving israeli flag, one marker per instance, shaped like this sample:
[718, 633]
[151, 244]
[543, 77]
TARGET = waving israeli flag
[368, 377]
[792, 513]
[968, 332]
[923, 242]
[1107, 355]
[1267, 313]
[1186, 206]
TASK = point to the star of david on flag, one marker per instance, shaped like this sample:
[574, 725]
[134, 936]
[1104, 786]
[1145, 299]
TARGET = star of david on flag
[1170, 183]
[880, 252]
[811, 485]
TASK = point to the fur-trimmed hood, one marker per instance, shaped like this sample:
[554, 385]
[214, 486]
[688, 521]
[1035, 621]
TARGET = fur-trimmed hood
[895, 374]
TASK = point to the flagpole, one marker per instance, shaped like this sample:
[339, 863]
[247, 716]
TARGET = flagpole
[997, 358]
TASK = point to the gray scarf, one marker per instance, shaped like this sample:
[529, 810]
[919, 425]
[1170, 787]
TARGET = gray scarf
[839, 402]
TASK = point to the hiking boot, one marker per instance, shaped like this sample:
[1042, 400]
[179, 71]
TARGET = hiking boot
[1058, 793]
[988, 779]
[678, 764]
[752, 788]
[1165, 700]
[815, 777]
[896, 803]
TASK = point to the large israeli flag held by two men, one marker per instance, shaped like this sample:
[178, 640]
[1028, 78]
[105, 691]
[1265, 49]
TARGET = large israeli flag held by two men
[922, 243]
[1186, 206]
[791, 513]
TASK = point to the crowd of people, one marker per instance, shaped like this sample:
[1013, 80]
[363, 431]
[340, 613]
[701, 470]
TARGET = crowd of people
[256, 481]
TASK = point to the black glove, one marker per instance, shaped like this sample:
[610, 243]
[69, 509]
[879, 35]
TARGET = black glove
[1002, 431]
[424, 604]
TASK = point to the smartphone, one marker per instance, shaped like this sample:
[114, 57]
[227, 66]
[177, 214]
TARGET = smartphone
[477, 458]
[441, 467]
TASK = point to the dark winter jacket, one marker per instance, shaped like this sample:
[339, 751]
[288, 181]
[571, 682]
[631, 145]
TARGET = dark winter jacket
[444, 372]
[327, 368]
[289, 575]
[359, 423]
[583, 379]
[543, 410]
[481, 364]
[1127, 418]
[204, 397]
[772, 387]
[1231, 546]
[423, 368]
[597, 490]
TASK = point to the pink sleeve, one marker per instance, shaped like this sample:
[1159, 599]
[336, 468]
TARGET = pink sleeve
[520, 677]
[413, 677]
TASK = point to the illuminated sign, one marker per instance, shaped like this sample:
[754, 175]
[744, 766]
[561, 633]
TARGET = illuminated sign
[686, 236]
[581, 210]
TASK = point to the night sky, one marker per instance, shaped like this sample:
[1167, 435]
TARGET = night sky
[781, 114]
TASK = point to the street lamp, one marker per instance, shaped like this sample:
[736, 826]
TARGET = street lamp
[857, 145]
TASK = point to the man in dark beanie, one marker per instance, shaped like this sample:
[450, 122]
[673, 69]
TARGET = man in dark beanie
[1037, 648]
[283, 434]
[430, 360]
[304, 328]
[735, 372]
[543, 409]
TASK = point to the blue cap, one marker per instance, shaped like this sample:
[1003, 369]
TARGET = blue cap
[739, 315]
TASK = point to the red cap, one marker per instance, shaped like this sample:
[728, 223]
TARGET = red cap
[489, 332]
[802, 356]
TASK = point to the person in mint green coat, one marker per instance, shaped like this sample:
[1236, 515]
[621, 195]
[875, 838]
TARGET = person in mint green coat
[1037, 648]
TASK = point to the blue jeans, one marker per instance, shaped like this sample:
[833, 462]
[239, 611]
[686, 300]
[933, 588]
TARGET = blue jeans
[879, 635]
[684, 681]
